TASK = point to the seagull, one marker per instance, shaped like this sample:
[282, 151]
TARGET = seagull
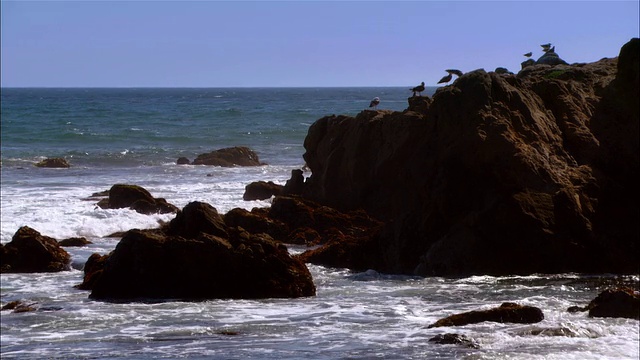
[552, 50]
[454, 72]
[546, 47]
[418, 89]
[374, 103]
[446, 79]
[528, 54]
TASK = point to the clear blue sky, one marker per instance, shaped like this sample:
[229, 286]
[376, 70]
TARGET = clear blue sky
[294, 43]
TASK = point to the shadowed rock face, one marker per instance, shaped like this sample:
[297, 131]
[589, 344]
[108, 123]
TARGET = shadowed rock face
[29, 251]
[498, 174]
[196, 257]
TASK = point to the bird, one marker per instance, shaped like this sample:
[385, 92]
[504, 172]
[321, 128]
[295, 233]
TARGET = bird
[446, 79]
[454, 72]
[546, 47]
[528, 54]
[552, 50]
[418, 89]
[374, 103]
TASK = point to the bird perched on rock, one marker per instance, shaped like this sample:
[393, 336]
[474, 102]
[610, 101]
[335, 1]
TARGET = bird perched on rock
[454, 72]
[528, 54]
[418, 89]
[374, 103]
[446, 79]
[546, 47]
[552, 50]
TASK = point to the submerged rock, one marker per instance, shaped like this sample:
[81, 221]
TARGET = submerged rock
[53, 163]
[29, 251]
[506, 313]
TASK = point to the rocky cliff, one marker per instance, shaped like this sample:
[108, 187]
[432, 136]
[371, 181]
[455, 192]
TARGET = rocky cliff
[497, 173]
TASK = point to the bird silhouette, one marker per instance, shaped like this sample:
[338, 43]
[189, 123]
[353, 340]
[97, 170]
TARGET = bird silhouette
[528, 54]
[418, 89]
[446, 79]
[374, 103]
[454, 72]
[546, 47]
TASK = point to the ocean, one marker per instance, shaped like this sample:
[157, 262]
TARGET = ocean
[135, 136]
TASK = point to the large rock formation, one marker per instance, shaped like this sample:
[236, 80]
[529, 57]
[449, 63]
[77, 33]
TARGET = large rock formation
[29, 251]
[499, 174]
[197, 257]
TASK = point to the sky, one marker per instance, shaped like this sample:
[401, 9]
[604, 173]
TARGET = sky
[294, 43]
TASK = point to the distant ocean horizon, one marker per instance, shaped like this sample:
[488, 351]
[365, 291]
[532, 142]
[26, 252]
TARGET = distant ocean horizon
[135, 135]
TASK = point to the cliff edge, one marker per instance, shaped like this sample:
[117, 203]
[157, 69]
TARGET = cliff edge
[497, 173]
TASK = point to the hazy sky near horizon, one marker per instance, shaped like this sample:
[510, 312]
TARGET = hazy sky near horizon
[294, 43]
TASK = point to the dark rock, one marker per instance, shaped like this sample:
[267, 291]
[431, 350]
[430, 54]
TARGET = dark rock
[419, 104]
[614, 302]
[295, 184]
[255, 223]
[136, 198]
[19, 307]
[93, 268]
[29, 251]
[195, 218]
[502, 71]
[261, 190]
[506, 313]
[150, 264]
[229, 157]
[455, 339]
[53, 163]
[504, 174]
[528, 62]
[550, 58]
[304, 236]
[183, 161]
[76, 241]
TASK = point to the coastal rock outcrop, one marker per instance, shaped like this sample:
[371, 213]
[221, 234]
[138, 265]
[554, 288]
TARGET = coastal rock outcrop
[136, 198]
[499, 174]
[505, 313]
[197, 256]
[229, 157]
[615, 302]
[53, 163]
[261, 190]
[29, 251]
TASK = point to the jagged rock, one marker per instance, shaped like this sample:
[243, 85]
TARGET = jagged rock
[93, 268]
[195, 218]
[19, 306]
[29, 251]
[76, 241]
[506, 313]
[615, 302]
[256, 222]
[261, 190]
[456, 339]
[136, 198]
[53, 163]
[183, 161]
[419, 104]
[503, 174]
[229, 157]
[157, 265]
[295, 184]
[528, 62]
